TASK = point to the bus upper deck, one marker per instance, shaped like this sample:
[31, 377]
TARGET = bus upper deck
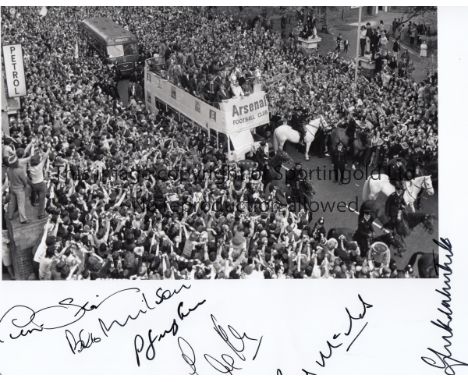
[235, 118]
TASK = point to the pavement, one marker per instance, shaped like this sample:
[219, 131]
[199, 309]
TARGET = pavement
[348, 29]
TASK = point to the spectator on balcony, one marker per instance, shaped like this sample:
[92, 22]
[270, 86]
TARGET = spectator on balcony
[38, 185]
[18, 183]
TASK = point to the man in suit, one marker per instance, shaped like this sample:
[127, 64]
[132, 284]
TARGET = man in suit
[395, 211]
[222, 93]
[293, 179]
[364, 232]
[185, 80]
[297, 123]
[396, 170]
[210, 89]
[192, 82]
[339, 162]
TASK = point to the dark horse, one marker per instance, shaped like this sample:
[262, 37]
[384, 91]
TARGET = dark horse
[416, 218]
[426, 262]
[389, 238]
[410, 220]
[361, 151]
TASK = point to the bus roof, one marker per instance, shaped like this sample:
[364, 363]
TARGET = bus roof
[109, 31]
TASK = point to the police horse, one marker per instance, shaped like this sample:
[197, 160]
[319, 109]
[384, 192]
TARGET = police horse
[285, 133]
[409, 221]
[380, 183]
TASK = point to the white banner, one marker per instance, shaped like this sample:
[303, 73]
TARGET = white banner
[234, 115]
[247, 112]
[14, 70]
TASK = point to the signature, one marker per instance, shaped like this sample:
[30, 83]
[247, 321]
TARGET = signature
[150, 353]
[445, 360]
[339, 339]
[21, 320]
[84, 341]
[225, 363]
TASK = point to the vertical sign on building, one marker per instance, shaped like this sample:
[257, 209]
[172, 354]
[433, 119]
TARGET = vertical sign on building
[14, 70]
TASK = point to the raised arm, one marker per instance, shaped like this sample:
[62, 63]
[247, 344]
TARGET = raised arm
[121, 199]
[106, 235]
[46, 156]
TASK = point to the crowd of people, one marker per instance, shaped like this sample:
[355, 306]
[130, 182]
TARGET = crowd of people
[132, 195]
[414, 32]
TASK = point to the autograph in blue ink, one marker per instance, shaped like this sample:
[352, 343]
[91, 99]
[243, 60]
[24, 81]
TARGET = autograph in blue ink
[445, 359]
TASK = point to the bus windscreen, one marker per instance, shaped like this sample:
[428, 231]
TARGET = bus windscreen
[122, 50]
[115, 51]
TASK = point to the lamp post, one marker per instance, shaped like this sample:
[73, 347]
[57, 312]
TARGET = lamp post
[357, 47]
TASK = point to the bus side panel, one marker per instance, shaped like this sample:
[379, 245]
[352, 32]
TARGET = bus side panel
[95, 41]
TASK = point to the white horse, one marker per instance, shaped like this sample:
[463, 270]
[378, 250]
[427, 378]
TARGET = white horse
[285, 133]
[372, 187]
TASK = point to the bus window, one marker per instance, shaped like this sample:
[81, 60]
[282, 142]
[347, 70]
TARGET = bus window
[223, 141]
[130, 49]
[212, 137]
[115, 51]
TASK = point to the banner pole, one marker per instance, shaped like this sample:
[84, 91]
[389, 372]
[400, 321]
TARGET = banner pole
[357, 47]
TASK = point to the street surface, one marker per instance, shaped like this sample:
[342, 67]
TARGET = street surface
[328, 191]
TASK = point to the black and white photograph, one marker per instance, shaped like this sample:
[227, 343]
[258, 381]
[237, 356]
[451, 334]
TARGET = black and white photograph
[186, 170]
[312, 151]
